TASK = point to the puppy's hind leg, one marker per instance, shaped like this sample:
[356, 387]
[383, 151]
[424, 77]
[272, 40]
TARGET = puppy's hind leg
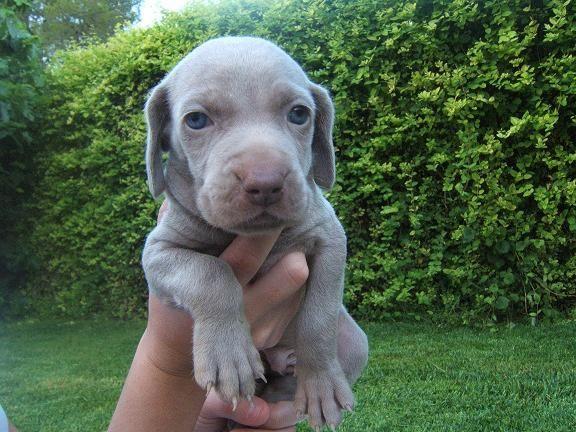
[352, 355]
[352, 346]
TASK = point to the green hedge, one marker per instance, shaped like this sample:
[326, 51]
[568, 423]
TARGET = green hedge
[21, 79]
[454, 133]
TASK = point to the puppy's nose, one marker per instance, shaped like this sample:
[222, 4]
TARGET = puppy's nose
[263, 187]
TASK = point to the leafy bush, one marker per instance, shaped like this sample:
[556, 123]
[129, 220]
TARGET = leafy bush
[21, 76]
[454, 133]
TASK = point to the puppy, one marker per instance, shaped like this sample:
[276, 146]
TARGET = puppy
[249, 142]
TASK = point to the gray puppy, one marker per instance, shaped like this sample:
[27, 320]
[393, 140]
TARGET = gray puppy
[249, 138]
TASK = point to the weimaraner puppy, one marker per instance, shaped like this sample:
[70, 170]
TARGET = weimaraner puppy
[249, 142]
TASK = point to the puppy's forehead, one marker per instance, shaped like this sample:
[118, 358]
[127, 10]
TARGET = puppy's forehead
[236, 65]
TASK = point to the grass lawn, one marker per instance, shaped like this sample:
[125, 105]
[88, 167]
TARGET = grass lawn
[67, 377]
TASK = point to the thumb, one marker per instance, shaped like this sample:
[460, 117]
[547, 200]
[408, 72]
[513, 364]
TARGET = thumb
[247, 414]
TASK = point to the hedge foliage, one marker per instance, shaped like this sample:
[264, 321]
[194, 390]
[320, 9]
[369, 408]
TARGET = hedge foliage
[21, 79]
[456, 155]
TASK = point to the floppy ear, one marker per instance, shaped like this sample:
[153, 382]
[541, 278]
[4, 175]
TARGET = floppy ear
[323, 164]
[157, 118]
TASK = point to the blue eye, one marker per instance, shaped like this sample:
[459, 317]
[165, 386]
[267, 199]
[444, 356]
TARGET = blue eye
[298, 115]
[196, 120]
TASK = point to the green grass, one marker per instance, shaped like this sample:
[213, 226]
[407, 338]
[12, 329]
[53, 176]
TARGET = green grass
[67, 377]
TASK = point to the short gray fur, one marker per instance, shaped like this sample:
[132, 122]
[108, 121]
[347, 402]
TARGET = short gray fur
[246, 86]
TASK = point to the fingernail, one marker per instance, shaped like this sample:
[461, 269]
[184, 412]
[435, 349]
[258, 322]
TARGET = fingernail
[255, 414]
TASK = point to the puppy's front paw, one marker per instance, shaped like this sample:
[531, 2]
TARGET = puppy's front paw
[321, 395]
[225, 359]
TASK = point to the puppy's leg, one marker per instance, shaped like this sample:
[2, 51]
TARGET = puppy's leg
[352, 346]
[352, 355]
[322, 386]
[224, 355]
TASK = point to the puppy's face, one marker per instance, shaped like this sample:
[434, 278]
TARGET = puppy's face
[244, 118]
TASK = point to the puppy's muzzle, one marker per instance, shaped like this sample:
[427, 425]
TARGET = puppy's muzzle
[263, 185]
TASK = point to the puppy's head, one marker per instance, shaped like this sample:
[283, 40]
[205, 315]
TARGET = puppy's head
[251, 129]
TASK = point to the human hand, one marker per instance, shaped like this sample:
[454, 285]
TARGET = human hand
[278, 417]
[270, 302]
[160, 392]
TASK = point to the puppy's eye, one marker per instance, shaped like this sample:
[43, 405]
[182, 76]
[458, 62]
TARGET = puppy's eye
[196, 120]
[298, 115]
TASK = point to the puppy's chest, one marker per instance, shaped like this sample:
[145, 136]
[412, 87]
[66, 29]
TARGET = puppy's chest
[213, 241]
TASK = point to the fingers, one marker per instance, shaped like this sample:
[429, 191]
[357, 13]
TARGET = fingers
[290, 429]
[282, 415]
[263, 417]
[281, 282]
[246, 254]
[214, 410]
[282, 419]
[272, 301]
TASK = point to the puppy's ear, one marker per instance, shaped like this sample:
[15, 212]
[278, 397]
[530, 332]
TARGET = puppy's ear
[323, 164]
[157, 117]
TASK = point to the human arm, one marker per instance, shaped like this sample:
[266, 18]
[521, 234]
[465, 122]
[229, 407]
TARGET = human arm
[160, 392]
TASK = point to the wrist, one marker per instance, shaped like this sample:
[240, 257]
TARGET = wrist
[165, 357]
[159, 393]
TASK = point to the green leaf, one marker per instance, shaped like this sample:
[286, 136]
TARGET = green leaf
[501, 303]
[468, 234]
[503, 246]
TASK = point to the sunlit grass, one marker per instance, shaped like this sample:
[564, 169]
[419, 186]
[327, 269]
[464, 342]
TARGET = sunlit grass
[67, 377]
